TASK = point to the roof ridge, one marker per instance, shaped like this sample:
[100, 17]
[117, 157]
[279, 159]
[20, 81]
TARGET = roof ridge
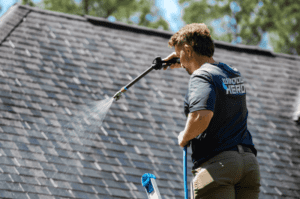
[124, 26]
[253, 49]
[50, 12]
[247, 48]
[9, 21]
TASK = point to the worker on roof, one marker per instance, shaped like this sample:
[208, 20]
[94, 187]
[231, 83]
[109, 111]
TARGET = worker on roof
[223, 153]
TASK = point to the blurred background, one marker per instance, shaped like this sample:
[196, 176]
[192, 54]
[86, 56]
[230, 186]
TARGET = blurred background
[268, 24]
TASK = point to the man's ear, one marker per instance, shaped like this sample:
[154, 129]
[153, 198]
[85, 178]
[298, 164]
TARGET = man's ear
[188, 50]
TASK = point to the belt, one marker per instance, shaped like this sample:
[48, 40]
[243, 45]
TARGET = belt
[240, 149]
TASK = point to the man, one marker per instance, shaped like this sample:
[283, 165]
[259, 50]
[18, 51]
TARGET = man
[223, 153]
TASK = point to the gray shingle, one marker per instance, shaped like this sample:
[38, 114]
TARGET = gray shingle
[38, 196]
[35, 189]
[30, 172]
[78, 194]
[16, 187]
[62, 184]
[6, 194]
[60, 192]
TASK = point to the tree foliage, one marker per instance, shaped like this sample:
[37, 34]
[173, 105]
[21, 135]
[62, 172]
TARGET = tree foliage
[246, 21]
[140, 12]
[65, 6]
[28, 2]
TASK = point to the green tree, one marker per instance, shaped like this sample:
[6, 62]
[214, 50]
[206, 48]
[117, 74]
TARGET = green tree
[246, 21]
[144, 12]
[28, 2]
[65, 6]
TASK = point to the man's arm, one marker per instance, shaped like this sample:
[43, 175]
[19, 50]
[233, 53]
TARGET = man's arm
[196, 124]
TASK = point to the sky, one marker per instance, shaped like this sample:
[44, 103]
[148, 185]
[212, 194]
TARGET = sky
[171, 11]
[169, 8]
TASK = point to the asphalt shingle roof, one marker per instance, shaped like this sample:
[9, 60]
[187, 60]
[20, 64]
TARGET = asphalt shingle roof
[55, 66]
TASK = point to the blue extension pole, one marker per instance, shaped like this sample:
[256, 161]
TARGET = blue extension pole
[186, 193]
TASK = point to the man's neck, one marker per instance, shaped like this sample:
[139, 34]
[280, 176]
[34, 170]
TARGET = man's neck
[200, 60]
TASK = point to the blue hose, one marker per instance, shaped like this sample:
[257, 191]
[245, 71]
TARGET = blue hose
[186, 194]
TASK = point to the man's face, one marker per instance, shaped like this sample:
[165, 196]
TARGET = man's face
[181, 53]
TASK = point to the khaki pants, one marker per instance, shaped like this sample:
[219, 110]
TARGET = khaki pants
[228, 175]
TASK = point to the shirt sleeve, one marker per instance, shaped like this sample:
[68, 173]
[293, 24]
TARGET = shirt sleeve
[202, 92]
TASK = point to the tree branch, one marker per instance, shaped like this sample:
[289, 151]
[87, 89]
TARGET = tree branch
[86, 7]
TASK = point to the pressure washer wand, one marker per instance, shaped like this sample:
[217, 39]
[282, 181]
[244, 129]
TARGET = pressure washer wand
[157, 64]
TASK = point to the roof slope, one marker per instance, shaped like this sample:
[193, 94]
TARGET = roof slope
[54, 67]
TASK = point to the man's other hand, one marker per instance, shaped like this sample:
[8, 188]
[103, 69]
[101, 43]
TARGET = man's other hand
[182, 142]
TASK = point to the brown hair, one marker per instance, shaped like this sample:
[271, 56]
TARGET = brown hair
[198, 36]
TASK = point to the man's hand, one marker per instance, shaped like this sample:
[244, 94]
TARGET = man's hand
[171, 56]
[182, 142]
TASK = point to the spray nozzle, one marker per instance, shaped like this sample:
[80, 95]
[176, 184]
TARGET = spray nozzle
[158, 64]
[118, 95]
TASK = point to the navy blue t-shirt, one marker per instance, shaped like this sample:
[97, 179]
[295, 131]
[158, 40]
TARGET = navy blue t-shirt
[219, 88]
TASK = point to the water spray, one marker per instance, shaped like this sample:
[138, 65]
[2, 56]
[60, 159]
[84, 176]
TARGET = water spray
[157, 64]
[148, 180]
